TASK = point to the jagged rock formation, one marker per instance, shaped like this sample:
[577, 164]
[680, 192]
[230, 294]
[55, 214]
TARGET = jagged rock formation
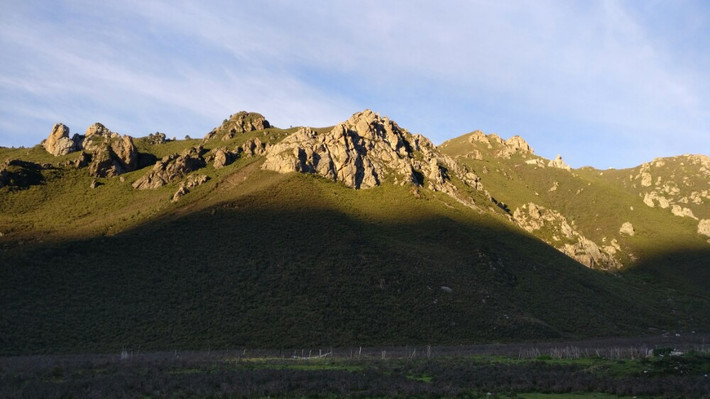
[558, 163]
[191, 182]
[58, 143]
[241, 122]
[552, 227]
[221, 158]
[112, 155]
[106, 153]
[364, 151]
[515, 145]
[170, 168]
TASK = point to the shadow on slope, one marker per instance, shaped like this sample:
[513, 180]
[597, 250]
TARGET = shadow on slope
[680, 277]
[233, 275]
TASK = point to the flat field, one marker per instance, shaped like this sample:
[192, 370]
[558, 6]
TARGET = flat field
[657, 367]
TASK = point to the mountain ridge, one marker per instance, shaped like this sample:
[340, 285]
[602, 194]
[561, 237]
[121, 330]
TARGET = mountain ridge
[374, 221]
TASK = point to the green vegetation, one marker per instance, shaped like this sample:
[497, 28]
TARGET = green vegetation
[202, 375]
[260, 259]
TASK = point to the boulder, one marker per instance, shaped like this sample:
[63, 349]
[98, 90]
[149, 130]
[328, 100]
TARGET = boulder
[704, 227]
[191, 182]
[58, 143]
[221, 158]
[170, 168]
[627, 228]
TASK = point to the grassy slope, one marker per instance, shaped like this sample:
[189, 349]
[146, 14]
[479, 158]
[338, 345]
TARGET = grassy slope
[261, 259]
[666, 252]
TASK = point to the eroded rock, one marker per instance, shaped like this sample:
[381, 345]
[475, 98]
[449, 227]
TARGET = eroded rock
[170, 168]
[363, 151]
[241, 122]
[59, 143]
[191, 182]
[627, 228]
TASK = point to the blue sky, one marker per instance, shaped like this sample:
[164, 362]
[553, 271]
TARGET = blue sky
[603, 83]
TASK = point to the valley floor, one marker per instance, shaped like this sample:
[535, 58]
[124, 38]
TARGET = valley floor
[668, 366]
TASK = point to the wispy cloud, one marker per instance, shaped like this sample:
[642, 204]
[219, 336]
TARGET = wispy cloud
[567, 76]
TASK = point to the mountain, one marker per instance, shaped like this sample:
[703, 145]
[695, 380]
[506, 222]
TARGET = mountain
[357, 234]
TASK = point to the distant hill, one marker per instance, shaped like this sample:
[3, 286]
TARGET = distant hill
[356, 234]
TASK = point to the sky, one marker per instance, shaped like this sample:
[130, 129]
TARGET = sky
[602, 83]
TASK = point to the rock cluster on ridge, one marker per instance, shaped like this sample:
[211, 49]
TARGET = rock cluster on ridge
[106, 153]
[241, 122]
[364, 151]
[170, 168]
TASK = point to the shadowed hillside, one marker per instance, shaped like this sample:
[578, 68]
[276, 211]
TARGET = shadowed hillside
[218, 243]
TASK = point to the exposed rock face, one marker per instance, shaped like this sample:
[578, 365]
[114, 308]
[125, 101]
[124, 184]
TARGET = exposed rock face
[191, 182]
[627, 228]
[58, 143]
[241, 122]
[704, 227]
[221, 158]
[553, 228]
[111, 153]
[682, 211]
[558, 163]
[97, 128]
[171, 167]
[253, 147]
[363, 151]
[519, 144]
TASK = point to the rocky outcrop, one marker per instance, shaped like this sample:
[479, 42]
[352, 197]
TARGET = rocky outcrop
[514, 145]
[553, 228]
[170, 168]
[59, 143]
[650, 199]
[253, 147]
[627, 228]
[191, 182]
[111, 153]
[221, 159]
[559, 163]
[241, 122]
[156, 138]
[678, 210]
[364, 151]
[704, 227]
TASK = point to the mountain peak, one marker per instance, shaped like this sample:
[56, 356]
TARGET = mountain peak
[364, 151]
